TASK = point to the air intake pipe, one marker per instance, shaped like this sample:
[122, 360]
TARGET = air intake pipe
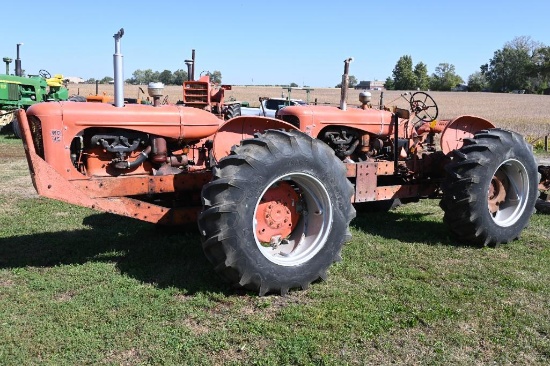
[119, 74]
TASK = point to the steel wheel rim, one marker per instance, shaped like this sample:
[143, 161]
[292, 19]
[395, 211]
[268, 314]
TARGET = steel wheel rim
[310, 234]
[517, 191]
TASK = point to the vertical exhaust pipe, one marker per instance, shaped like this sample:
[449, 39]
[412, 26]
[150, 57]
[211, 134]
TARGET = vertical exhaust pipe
[18, 69]
[345, 84]
[119, 74]
[191, 67]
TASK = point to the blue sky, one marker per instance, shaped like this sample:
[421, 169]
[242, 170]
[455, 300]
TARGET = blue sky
[266, 42]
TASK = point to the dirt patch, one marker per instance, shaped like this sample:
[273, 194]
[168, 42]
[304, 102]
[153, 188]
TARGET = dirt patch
[16, 179]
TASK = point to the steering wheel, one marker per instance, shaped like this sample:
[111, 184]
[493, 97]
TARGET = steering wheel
[424, 107]
[44, 74]
[165, 100]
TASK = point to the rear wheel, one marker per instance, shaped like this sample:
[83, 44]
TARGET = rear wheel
[277, 212]
[232, 110]
[491, 188]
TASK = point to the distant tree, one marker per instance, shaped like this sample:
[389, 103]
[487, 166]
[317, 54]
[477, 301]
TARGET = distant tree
[215, 77]
[138, 77]
[293, 85]
[106, 80]
[166, 77]
[422, 77]
[403, 75]
[352, 81]
[512, 67]
[148, 76]
[539, 70]
[389, 84]
[90, 81]
[477, 82]
[524, 43]
[180, 76]
[445, 78]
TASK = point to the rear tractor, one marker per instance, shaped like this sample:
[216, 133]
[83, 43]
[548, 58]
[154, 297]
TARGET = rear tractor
[206, 95]
[18, 91]
[274, 197]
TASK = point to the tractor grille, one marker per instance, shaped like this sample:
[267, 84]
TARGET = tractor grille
[13, 92]
[36, 131]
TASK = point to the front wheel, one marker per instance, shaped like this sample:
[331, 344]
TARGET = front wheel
[16, 127]
[276, 213]
[491, 188]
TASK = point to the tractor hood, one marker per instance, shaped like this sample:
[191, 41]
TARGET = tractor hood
[374, 121]
[171, 121]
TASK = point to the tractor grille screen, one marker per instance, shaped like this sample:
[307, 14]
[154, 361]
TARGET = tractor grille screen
[36, 131]
[13, 92]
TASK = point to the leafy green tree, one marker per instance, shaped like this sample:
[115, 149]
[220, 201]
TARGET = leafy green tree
[106, 80]
[180, 76]
[445, 77]
[138, 77]
[389, 84]
[215, 77]
[421, 75]
[90, 81]
[352, 81]
[403, 75]
[477, 82]
[509, 68]
[539, 70]
[166, 77]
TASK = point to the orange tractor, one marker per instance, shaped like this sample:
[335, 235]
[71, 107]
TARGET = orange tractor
[274, 198]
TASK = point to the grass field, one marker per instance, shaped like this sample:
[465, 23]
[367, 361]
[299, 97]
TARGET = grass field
[82, 287]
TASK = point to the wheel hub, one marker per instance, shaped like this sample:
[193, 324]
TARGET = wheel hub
[497, 193]
[277, 213]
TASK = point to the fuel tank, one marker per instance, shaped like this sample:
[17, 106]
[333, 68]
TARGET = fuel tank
[171, 121]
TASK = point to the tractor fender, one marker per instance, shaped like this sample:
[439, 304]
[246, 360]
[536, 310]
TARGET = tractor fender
[461, 128]
[244, 127]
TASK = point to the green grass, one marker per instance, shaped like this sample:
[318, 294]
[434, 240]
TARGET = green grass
[82, 287]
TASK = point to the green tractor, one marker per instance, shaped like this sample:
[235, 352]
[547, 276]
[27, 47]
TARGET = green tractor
[18, 91]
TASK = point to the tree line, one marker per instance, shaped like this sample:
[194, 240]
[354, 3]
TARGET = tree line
[167, 77]
[522, 64]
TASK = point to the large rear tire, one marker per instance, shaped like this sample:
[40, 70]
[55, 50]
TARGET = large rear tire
[232, 110]
[491, 188]
[276, 213]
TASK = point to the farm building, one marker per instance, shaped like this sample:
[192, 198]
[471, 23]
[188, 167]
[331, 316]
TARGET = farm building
[370, 85]
[74, 79]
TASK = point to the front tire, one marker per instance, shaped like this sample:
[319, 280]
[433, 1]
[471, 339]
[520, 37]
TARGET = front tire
[491, 188]
[16, 127]
[276, 213]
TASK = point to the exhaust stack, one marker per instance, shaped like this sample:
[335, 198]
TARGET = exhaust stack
[345, 84]
[191, 67]
[119, 74]
[18, 69]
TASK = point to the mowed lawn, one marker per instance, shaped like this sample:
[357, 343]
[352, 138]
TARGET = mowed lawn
[82, 287]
